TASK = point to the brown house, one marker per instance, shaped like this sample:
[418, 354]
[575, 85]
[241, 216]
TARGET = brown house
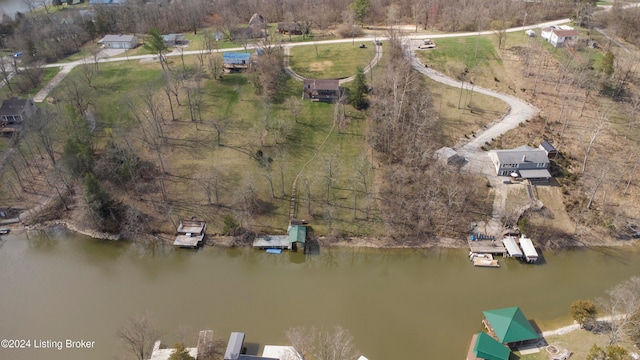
[321, 90]
[257, 29]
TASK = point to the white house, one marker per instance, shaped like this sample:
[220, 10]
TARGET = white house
[559, 36]
[119, 41]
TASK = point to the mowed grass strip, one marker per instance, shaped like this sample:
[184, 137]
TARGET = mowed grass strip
[332, 61]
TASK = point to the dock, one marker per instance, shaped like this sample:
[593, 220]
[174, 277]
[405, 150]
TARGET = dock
[190, 233]
[272, 242]
[484, 260]
[487, 247]
[530, 253]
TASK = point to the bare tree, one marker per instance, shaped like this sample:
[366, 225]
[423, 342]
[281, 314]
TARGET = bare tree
[622, 301]
[302, 340]
[138, 335]
[335, 345]
[295, 106]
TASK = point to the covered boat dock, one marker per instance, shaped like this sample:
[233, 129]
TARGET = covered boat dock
[530, 253]
[512, 246]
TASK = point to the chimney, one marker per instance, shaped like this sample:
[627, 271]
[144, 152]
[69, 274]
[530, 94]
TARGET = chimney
[524, 158]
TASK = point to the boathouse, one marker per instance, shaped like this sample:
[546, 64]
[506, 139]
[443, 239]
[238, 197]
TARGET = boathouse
[512, 247]
[509, 326]
[484, 346]
[190, 233]
[530, 253]
[234, 346]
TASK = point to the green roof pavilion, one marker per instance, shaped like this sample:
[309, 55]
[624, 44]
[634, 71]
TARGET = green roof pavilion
[489, 348]
[297, 233]
[510, 325]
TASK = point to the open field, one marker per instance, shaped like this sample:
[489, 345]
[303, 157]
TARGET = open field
[331, 62]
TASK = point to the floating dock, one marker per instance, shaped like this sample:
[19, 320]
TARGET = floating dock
[272, 242]
[483, 260]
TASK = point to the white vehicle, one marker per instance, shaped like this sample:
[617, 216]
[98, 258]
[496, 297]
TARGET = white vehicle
[427, 44]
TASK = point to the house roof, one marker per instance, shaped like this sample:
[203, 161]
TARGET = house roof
[535, 173]
[13, 106]
[521, 155]
[125, 38]
[331, 84]
[234, 346]
[565, 33]
[297, 233]
[512, 246]
[257, 19]
[547, 146]
[510, 325]
[235, 57]
[489, 348]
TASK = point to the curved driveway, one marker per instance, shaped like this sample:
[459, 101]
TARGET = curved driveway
[477, 159]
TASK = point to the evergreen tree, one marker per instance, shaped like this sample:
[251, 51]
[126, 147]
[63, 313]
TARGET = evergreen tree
[360, 9]
[608, 62]
[358, 96]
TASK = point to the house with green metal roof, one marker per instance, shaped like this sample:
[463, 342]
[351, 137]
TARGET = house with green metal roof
[509, 325]
[483, 346]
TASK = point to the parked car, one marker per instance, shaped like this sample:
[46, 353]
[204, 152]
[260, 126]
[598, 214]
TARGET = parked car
[363, 46]
[427, 44]
[377, 42]
[18, 54]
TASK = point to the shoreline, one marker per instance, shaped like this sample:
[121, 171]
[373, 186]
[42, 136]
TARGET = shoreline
[323, 240]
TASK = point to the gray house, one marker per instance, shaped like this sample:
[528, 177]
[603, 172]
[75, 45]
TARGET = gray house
[16, 110]
[119, 41]
[524, 161]
[173, 39]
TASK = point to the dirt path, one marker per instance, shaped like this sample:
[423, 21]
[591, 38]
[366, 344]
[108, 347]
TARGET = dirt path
[477, 159]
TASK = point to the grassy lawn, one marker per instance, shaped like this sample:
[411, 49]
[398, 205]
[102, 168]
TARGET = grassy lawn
[191, 153]
[331, 62]
[474, 58]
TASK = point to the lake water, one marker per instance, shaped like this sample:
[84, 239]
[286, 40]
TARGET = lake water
[57, 286]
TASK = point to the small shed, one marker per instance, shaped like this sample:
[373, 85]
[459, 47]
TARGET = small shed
[297, 236]
[551, 151]
[448, 156]
[234, 346]
[509, 325]
[119, 41]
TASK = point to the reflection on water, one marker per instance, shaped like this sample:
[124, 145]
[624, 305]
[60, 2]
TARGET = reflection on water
[57, 285]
